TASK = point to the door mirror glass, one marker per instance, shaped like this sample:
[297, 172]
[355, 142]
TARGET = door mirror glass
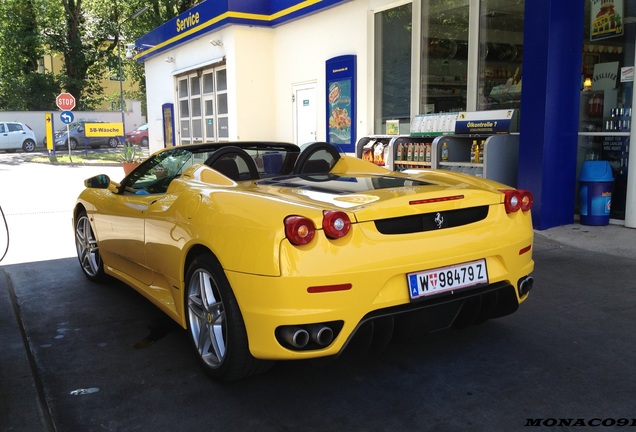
[100, 181]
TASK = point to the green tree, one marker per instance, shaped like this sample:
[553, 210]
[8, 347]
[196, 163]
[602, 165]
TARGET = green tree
[87, 34]
[22, 87]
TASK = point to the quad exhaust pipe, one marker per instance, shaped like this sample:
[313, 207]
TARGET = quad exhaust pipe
[321, 334]
[524, 285]
[299, 337]
[295, 336]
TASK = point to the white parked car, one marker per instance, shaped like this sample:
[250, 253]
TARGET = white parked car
[15, 136]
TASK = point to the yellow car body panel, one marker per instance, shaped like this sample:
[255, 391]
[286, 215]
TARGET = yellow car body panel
[377, 273]
[147, 241]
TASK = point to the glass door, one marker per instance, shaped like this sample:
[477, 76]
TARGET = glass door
[605, 109]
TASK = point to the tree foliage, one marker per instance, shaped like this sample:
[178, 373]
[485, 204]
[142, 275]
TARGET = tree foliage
[87, 34]
[21, 88]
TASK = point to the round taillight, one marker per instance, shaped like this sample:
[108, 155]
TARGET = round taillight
[526, 200]
[517, 199]
[335, 223]
[299, 230]
[512, 200]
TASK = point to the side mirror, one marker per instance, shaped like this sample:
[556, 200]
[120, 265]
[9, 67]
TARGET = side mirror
[101, 181]
[80, 129]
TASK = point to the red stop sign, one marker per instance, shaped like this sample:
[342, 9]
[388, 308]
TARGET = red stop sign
[65, 101]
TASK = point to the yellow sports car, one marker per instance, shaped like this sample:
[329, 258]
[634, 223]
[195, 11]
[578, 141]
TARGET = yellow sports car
[263, 252]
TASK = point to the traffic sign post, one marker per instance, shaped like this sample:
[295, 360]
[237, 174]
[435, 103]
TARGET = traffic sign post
[67, 117]
[48, 123]
[65, 101]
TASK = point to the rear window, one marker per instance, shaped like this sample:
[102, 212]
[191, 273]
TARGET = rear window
[15, 127]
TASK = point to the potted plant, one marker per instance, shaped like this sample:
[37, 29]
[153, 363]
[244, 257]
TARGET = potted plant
[129, 158]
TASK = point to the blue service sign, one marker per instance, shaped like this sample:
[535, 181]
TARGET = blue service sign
[67, 117]
[487, 122]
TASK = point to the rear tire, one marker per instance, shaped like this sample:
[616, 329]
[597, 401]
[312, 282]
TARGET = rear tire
[215, 324]
[113, 142]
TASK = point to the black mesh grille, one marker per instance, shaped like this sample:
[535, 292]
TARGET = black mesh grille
[431, 221]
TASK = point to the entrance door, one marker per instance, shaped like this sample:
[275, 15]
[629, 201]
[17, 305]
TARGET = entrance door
[305, 124]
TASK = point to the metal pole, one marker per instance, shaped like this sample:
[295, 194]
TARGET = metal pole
[121, 75]
[121, 85]
[630, 203]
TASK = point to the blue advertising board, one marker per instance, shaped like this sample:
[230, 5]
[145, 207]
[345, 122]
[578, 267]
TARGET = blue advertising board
[167, 112]
[487, 122]
[341, 102]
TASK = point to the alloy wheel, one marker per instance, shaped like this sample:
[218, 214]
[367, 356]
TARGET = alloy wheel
[207, 318]
[87, 249]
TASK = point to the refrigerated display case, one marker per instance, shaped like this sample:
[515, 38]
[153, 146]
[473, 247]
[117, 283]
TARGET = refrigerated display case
[598, 111]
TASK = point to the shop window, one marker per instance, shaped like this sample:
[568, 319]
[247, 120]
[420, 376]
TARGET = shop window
[466, 61]
[444, 56]
[500, 54]
[203, 108]
[393, 67]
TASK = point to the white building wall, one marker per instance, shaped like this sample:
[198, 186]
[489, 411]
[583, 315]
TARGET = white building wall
[251, 72]
[303, 46]
[161, 73]
[263, 64]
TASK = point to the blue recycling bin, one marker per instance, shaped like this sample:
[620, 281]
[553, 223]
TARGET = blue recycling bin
[595, 192]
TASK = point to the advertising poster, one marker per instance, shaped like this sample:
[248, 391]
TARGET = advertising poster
[340, 109]
[168, 125]
[607, 19]
[341, 102]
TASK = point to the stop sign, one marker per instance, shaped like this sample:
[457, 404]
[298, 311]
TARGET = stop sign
[65, 101]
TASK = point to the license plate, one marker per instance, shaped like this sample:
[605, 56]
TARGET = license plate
[435, 281]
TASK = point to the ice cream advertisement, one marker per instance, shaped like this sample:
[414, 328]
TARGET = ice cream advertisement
[606, 19]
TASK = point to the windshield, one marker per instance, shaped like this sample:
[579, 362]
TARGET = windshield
[155, 174]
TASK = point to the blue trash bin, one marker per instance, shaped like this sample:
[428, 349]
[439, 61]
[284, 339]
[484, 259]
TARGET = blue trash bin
[595, 192]
[272, 162]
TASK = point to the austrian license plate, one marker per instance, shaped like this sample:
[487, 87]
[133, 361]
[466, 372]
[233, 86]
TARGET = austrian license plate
[435, 281]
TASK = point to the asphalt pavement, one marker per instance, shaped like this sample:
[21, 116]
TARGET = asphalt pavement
[35, 384]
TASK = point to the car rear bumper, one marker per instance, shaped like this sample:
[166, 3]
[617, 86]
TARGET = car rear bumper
[269, 304]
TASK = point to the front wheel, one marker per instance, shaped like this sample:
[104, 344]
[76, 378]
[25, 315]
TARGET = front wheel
[73, 143]
[113, 142]
[88, 249]
[215, 323]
